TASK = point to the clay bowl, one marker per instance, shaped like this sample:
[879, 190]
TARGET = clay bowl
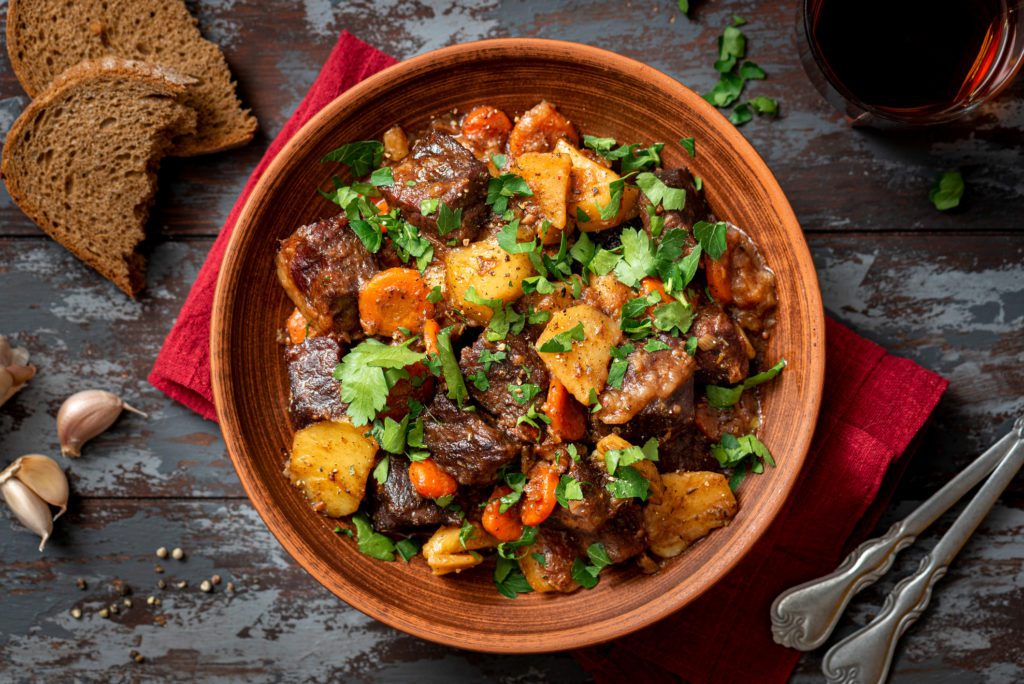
[604, 94]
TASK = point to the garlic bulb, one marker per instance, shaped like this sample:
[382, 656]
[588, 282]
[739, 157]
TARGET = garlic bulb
[28, 485]
[15, 370]
[86, 414]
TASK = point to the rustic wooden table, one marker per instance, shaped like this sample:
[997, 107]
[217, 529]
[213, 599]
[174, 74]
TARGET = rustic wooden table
[946, 290]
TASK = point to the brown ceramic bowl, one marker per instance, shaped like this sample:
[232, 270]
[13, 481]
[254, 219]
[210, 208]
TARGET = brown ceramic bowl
[604, 94]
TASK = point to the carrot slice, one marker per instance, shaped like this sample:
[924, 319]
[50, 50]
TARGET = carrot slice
[393, 299]
[430, 330]
[487, 125]
[539, 494]
[298, 327]
[430, 481]
[502, 526]
[651, 284]
[568, 421]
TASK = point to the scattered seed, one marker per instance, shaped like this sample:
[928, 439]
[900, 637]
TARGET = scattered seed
[80, 583]
[231, 587]
[161, 552]
[215, 579]
[150, 600]
[177, 554]
[114, 609]
[157, 602]
[158, 568]
[182, 584]
[127, 603]
[104, 613]
[160, 620]
[161, 584]
[139, 658]
[120, 587]
[76, 613]
[206, 586]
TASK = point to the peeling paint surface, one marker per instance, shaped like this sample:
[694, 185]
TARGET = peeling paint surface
[943, 289]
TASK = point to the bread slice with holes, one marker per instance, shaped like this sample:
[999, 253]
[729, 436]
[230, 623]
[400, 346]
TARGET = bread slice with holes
[81, 160]
[45, 37]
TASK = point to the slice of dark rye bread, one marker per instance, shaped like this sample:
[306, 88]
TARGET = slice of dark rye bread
[45, 37]
[81, 160]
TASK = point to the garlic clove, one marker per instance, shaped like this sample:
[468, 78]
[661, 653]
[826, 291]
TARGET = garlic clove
[85, 415]
[15, 370]
[44, 477]
[33, 512]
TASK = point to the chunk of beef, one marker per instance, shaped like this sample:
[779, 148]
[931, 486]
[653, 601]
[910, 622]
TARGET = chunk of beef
[559, 552]
[607, 294]
[752, 298]
[695, 208]
[398, 507]
[444, 170]
[657, 384]
[623, 537]
[507, 365]
[315, 394]
[687, 451]
[322, 267]
[465, 444]
[597, 506]
[743, 418]
[722, 353]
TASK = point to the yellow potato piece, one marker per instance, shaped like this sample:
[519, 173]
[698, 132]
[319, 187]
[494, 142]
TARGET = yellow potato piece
[692, 505]
[445, 553]
[330, 462]
[549, 176]
[591, 190]
[585, 366]
[491, 271]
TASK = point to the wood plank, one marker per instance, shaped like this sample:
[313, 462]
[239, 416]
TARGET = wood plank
[836, 178]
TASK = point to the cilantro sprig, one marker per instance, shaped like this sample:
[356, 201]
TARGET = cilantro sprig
[360, 156]
[586, 574]
[746, 454]
[370, 542]
[725, 397]
[364, 386]
[734, 73]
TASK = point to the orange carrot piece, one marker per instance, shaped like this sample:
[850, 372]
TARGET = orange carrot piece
[430, 481]
[298, 327]
[719, 275]
[502, 526]
[539, 494]
[487, 125]
[651, 284]
[568, 422]
[382, 205]
[430, 330]
[392, 299]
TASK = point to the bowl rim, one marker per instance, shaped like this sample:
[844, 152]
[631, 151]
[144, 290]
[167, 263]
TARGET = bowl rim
[640, 616]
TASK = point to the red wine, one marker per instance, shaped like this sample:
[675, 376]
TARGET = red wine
[908, 55]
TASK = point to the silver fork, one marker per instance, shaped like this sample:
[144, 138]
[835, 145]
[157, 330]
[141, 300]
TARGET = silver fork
[803, 617]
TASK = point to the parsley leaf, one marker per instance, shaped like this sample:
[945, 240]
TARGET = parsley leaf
[617, 370]
[583, 250]
[655, 345]
[487, 357]
[466, 532]
[672, 199]
[675, 317]
[948, 190]
[724, 397]
[690, 145]
[691, 346]
[741, 115]
[599, 145]
[407, 548]
[604, 261]
[726, 91]
[361, 374]
[380, 473]
[410, 244]
[480, 381]
[429, 205]
[435, 295]
[711, 237]
[751, 72]
[628, 483]
[369, 234]
[586, 575]
[744, 454]
[360, 156]
[569, 489]
[765, 105]
[509, 579]
[448, 220]
[450, 367]
[523, 394]
[516, 482]
[508, 239]
[370, 542]
[505, 186]
[637, 158]
[611, 210]
[382, 177]
[509, 549]
[562, 342]
[637, 259]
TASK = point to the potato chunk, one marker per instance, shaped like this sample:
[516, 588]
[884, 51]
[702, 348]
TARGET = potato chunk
[330, 462]
[488, 269]
[445, 553]
[585, 366]
[549, 177]
[692, 505]
[591, 190]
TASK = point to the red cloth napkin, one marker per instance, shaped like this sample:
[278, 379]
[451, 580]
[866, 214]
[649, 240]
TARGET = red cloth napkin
[873, 407]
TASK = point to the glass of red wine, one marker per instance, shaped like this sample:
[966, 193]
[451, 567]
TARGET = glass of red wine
[897, 63]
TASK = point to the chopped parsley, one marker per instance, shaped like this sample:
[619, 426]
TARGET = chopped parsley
[508, 239]
[746, 454]
[435, 295]
[407, 548]
[655, 345]
[676, 317]
[364, 386]
[487, 357]
[672, 199]
[611, 210]
[562, 342]
[619, 365]
[569, 489]
[711, 237]
[510, 549]
[360, 157]
[382, 177]
[380, 473]
[523, 394]
[447, 219]
[949, 188]
[509, 579]
[586, 574]
[429, 205]
[504, 187]
[479, 380]
[370, 542]
[450, 368]
[725, 397]
[466, 532]
[690, 145]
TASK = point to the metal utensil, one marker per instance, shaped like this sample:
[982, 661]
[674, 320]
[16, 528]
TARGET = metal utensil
[803, 617]
[866, 655]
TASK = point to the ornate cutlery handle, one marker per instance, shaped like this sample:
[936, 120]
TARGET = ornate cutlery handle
[803, 617]
[865, 656]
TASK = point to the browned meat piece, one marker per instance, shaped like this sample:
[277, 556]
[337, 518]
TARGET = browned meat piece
[315, 394]
[441, 169]
[322, 266]
[752, 284]
[607, 294]
[465, 444]
[397, 507]
[511, 362]
[687, 451]
[742, 419]
[539, 129]
[652, 381]
[622, 537]
[722, 352]
[559, 552]
[695, 208]
[597, 506]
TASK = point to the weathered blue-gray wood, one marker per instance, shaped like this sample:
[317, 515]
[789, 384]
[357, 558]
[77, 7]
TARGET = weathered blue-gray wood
[946, 290]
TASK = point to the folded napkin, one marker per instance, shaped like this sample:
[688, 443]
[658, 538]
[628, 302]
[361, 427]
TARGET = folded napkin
[873, 407]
